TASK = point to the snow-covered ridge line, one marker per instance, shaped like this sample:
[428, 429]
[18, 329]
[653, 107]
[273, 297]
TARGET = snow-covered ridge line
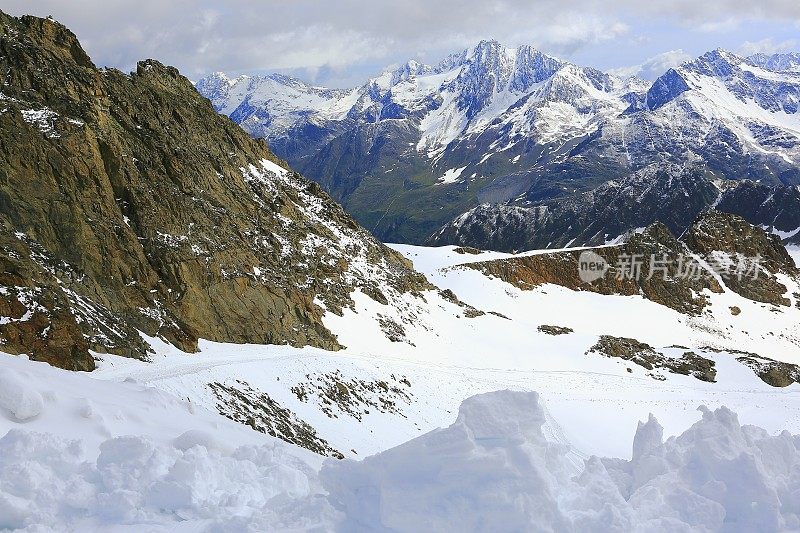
[517, 74]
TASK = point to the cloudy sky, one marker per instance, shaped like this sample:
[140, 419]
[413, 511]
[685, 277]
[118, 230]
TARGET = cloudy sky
[344, 42]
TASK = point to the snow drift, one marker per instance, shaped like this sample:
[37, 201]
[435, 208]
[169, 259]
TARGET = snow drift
[493, 469]
[155, 464]
[44, 481]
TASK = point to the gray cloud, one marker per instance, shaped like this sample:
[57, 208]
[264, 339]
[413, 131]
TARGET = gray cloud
[337, 36]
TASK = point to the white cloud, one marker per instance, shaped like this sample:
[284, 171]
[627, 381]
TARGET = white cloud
[721, 25]
[654, 66]
[202, 35]
[767, 46]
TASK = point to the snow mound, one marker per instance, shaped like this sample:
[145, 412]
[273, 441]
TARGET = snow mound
[493, 469]
[17, 399]
[156, 464]
[45, 481]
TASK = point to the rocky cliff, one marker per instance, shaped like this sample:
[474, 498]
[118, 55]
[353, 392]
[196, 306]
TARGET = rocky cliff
[128, 204]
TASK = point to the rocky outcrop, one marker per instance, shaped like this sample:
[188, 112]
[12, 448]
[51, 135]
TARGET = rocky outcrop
[745, 257]
[644, 355]
[241, 403]
[35, 311]
[555, 330]
[771, 372]
[629, 271]
[775, 207]
[132, 206]
[718, 249]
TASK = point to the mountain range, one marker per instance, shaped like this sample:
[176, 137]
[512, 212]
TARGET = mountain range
[419, 151]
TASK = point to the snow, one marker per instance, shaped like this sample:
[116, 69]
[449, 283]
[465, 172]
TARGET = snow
[144, 438]
[782, 234]
[287, 100]
[120, 456]
[494, 469]
[441, 126]
[717, 103]
[451, 175]
[85, 454]
[43, 119]
[274, 168]
[794, 251]
[447, 357]
[78, 406]
[16, 398]
[448, 106]
[133, 483]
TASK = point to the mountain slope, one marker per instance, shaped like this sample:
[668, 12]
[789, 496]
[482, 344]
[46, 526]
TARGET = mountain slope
[669, 193]
[129, 205]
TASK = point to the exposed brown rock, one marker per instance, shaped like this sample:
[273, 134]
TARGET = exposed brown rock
[469, 311]
[241, 403]
[644, 355]
[466, 250]
[746, 258]
[555, 330]
[755, 256]
[683, 294]
[158, 214]
[771, 372]
[354, 397]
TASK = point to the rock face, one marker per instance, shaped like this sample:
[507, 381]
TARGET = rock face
[671, 194]
[644, 355]
[746, 257]
[127, 204]
[771, 372]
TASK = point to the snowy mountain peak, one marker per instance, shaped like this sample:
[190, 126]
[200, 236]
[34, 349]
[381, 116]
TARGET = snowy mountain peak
[780, 62]
[491, 69]
[719, 63]
[665, 89]
[394, 75]
[515, 68]
[219, 77]
[214, 85]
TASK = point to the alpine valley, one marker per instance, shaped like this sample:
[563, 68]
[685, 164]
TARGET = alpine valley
[510, 149]
[196, 337]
